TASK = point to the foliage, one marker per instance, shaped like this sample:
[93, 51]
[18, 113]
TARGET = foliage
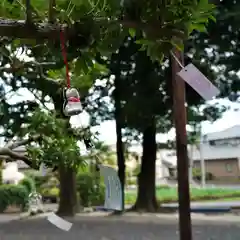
[90, 189]
[197, 175]
[137, 170]
[38, 179]
[56, 145]
[50, 193]
[103, 24]
[167, 195]
[29, 184]
[220, 48]
[101, 153]
[13, 195]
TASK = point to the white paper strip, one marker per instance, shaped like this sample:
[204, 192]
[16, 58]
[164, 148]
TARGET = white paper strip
[113, 192]
[191, 75]
[59, 222]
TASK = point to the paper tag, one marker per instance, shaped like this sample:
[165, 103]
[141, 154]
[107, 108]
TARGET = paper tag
[191, 75]
[113, 192]
[59, 222]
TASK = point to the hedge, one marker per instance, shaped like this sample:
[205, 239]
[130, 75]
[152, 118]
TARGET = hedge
[13, 195]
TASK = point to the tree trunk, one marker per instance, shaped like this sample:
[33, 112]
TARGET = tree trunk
[68, 197]
[146, 198]
[68, 204]
[119, 143]
[120, 160]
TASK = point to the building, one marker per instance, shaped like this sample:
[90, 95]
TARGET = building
[221, 154]
[165, 163]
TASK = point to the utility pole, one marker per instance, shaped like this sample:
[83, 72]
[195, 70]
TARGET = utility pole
[179, 113]
[191, 163]
[202, 162]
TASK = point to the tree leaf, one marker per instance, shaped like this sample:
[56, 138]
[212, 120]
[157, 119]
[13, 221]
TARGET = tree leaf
[132, 32]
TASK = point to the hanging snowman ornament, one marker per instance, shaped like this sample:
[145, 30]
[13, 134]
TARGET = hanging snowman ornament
[72, 105]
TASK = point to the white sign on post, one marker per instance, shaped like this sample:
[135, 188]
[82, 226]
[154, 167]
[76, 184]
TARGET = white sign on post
[113, 192]
[191, 75]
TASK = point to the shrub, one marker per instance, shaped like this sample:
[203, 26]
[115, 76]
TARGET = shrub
[131, 181]
[13, 195]
[197, 175]
[91, 189]
[29, 184]
[50, 194]
[164, 186]
[50, 191]
[38, 179]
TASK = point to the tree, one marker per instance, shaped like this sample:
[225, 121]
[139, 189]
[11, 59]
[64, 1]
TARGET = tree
[45, 80]
[56, 147]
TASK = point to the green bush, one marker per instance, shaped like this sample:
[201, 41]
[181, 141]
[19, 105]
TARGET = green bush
[131, 182]
[38, 179]
[13, 195]
[164, 186]
[197, 175]
[91, 189]
[54, 192]
[29, 184]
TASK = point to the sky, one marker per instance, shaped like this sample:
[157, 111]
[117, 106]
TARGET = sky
[107, 131]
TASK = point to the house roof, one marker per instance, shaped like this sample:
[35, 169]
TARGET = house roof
[232, 132]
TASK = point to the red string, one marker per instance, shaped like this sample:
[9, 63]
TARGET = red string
[64, 53]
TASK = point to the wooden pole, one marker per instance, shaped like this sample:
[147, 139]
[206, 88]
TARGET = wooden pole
[179, 112]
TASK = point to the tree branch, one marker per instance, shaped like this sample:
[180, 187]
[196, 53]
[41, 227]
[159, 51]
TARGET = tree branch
[19, 29]
[12, 154]
[51, 11]
[8, 152]
[23, 142]
[21, 65]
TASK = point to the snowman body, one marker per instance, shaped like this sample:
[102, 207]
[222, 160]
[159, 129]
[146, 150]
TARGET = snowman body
[72, 105]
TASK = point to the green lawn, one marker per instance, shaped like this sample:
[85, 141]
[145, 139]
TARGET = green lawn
[166, 195]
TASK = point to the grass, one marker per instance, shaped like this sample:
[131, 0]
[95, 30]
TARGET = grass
[168, 195]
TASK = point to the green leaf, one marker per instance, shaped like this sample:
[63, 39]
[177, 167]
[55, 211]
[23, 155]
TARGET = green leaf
[200, 27]
[212, 18]
[178, 43]
[132, 32]
[143, 42]
[81, 66]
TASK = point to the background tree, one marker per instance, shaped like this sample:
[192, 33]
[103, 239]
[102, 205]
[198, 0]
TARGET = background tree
[56, 147]
[45, 80]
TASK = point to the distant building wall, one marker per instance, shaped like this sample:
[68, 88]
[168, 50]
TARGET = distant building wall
[222, 169]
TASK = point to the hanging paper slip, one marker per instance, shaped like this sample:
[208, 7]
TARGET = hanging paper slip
[59, 222]
[113, 192]
[191, 75]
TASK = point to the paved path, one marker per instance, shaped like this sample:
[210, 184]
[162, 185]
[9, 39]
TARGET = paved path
[121, 228]
[215, 204]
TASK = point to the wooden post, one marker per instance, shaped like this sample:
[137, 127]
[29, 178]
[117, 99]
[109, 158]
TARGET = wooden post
[179, 112]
